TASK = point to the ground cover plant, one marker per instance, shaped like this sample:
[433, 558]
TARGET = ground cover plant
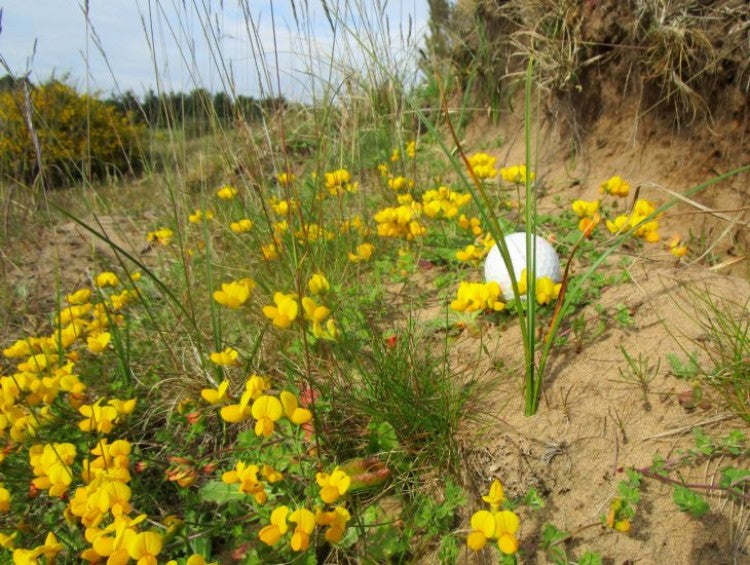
[288, 351]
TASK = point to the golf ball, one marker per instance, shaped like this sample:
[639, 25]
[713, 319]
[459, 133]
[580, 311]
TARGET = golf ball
[547, 262]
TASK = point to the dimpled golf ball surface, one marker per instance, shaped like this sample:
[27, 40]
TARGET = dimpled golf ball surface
[547, 262]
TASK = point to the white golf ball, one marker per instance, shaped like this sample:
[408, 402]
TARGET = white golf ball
[547, 262]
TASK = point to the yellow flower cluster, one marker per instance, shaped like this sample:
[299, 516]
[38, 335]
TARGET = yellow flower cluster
[501, 525]
[474, 225]
[636, 224]
[51, 464]
[546, 289]
[285, 179]
[618, 516]
[674, 247]
[226, 192]
[198, 216]
[286, 308]
[49, 550]
[246, 475]
[363, 253]
[98, 418]
[243, 225]
[339, 181]
[312, 232]
[162, 236]
[69, 127]
[483, 165]
[283, 207]
[227, 357]
[335, 520]
[400, 221]
[234, 294]
[46, 365]
[615, 186]
[264, 408]
[584, 208]
[443, 202]
[515, 174]
[472, 297]
[475, 253]
[398, 184]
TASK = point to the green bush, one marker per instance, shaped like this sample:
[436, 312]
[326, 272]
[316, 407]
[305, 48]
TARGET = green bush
[75, 135]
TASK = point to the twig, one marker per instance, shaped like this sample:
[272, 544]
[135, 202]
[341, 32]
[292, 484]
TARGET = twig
[647, 472]
[683, 429]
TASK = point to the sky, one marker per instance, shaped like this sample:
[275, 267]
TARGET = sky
[179, 45]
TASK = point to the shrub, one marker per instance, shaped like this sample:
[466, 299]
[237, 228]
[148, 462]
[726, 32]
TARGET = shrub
[77, 134]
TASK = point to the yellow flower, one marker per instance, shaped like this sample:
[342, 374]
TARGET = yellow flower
[19, 348]
[217, 395]
[269, 251]
[106, 278]
[318, 284]
[7, 541]
[226, 192]
[411, 149]
[271, 534]
[235, 293]
[197, 216]
[4, 499]
[162, 236]
[247, 476]
[515, 174]
[336, 521]
[51, 466]
[225, 358]
[144, 547]
[98, 343]
[305, 521]
[314, 312]
[266, 410]
[587, 224]
[332, 486]
[482, 528]
[674, 247]
[292, 410]
[471, 297]
[364, 252]
[282, 207]
[80, 296]
[242, 226]
[585, 209]
[496, 495]
[97, 417]
[483, 165]
[618, 225]
[284, 179]
[506, 526]
[338, 181]
[400, 183]
[615, 186]
[285, 310]
[395, 155]
[271, 474]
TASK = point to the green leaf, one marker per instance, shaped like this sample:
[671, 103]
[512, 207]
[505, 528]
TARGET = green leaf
[689, 501]
[703, 443]
[590, 558]
[556, 553]
[220, 493]
[731, 476]
[533, 499]
[735, 442]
